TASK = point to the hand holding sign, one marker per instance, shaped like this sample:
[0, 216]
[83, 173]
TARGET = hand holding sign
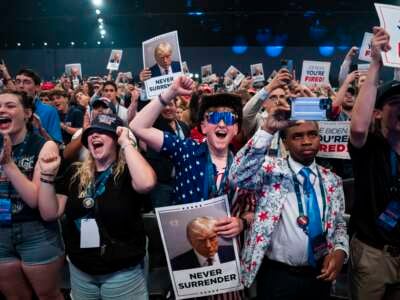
[352, 53]
[229, 227]
[379, 43]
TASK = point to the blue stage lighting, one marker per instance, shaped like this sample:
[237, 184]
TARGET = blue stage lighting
[273, 51]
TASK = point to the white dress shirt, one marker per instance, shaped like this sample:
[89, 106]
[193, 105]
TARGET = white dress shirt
[203, 260]
[162, 70]
[289, 241]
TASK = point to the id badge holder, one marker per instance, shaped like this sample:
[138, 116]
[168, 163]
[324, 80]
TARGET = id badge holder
[389, 218]
[5, 211]
[90, 235]
[319, 247]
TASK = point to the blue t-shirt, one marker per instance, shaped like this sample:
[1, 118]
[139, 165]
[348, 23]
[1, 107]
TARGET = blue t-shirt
[50, 120]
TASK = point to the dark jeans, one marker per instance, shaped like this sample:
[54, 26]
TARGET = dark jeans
[276, 281]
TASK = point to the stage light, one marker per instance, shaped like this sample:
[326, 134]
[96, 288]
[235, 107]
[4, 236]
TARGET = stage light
[196, 75]
[97, 2]
[18, 44]
[58, 43]
[273, 51]
[45, 44]
[112, 42]
[101, 26]
[72, 43]
[326, 50]
[240, 45]
[102, 32]
[100, 20]
[195, 13]
[98, 43]
[98, 11]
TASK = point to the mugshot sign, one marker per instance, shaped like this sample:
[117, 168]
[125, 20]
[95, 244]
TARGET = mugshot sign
[162, 56]
[257, 72]
[315, 73]
[200, 262]
[334, 139]
[114, 60]
[389, 18]
[365, 50]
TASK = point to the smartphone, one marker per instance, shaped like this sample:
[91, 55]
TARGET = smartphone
[310, 109]
[287, 64]
[353, 67]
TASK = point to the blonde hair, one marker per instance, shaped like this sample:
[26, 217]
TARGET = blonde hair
[86, 169]
[163, 47]
[199, 225]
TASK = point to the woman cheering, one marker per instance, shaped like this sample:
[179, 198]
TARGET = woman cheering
[31, 250]
[103, 232]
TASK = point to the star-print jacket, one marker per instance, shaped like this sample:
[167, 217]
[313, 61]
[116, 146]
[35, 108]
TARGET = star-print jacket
[272, 180]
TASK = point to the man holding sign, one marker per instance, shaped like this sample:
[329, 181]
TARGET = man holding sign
[201, 169]
[375, 245]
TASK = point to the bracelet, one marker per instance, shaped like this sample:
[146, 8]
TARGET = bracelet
[47, 174]
[46, 181]
[162, 101]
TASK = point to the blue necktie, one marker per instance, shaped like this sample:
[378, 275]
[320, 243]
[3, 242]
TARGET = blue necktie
[314, 228]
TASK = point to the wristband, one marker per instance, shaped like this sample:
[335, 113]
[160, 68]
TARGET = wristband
[46, 181]
[162, 101]
[263, 94]
[47, 174]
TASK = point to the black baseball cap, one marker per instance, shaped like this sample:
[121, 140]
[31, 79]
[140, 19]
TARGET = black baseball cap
[386, 91]
[103, 123]
[104, 102]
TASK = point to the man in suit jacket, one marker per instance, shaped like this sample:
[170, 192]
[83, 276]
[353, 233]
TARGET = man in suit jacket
[295, 199]
[206, 251]
[163, 57]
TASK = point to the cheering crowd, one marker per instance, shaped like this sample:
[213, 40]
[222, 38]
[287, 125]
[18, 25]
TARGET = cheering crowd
[95, 155]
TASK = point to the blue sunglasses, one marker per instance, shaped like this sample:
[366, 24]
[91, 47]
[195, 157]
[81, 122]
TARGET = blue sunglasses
[215, 117]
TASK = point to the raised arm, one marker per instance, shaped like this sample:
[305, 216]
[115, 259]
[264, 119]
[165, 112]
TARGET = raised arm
[246, 171]
[143, 176]
[254, 105]
[142, 124]
[343, 89]
[365, 102]
[345, 67]
[51, 206]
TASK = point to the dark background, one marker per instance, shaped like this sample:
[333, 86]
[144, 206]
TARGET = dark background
[208, 31]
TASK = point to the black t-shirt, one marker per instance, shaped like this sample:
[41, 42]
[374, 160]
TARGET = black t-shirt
[25, 156]
[372, 181]
[119, 220]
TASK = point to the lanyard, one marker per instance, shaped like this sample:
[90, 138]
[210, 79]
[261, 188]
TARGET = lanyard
[298, 194]
[393, 163]
[209, 178]
[97, 189]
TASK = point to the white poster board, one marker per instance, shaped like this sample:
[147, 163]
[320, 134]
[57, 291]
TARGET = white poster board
[334, 139]
[257, 72]
[114, 60]
[168, 66]
[315, 73]
[389, 16]
[365, 50]
[198, 271]
[234, 75]
[206, 72]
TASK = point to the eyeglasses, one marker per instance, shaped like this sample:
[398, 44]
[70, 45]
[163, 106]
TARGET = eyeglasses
[215, 117]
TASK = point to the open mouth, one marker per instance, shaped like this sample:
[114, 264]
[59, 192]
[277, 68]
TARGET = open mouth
[4, 122]
[97, 144]
[221, 134]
